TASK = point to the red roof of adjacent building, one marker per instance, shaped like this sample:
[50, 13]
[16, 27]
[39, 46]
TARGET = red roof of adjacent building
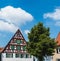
[1, 49]
[58, 39]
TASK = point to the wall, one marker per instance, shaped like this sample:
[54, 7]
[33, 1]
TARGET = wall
[56, 56]
[15, 59]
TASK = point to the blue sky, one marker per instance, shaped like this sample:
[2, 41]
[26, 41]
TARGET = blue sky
[24, 14]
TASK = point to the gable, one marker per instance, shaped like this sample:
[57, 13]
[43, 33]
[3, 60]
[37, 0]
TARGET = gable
[17, 44]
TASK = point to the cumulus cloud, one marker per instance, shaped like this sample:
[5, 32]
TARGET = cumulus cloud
[11, 18]
[26, 31]
[15, 15]
[7, 26]
[53, 15]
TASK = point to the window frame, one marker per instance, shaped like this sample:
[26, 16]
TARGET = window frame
[57, 59]
[58, 50]
[18, 41]
[9, 55]
[27, 55]
[18, 47]
[19, 55]
[24, 48]
[12, 47]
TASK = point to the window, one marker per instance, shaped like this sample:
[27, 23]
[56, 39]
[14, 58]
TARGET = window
[30, 56]
[9, 55]
[12, 47]
[24, 48]
[18, 47]
[58, 50]
[18, 41]
[19, 55]
[58, 60]
[22, 56]
[27, 55]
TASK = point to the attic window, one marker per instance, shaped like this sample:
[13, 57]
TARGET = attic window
[18, 47]
[12, 47]
[18, 41]
[24, 48]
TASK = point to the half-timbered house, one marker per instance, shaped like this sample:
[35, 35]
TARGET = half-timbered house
[15, 50]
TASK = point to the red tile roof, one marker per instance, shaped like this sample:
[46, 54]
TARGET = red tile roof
[1, 49]
[58, 39]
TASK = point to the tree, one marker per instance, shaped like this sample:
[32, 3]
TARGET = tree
[40, 43]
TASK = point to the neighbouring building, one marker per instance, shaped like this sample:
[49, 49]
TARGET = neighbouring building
[15, 50]
[56, 56]
[1, 49]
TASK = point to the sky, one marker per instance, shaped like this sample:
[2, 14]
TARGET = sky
[24, 14]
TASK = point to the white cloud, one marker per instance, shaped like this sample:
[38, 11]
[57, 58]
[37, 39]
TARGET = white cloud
[17, 16]
[7, 26]
[11, 18]
[26, 31]
[53, 15]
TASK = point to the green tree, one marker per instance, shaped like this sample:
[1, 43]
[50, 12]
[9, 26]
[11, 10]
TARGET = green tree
[40, 44]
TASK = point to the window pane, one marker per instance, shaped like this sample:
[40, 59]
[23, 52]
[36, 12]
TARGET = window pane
[9, 55]
[27, 55]
[18, 48]
[22, 56]
[59, 49]
[58, 59]
[30, 56]
[18, 41]
[19, 55]
[12, 47]
[24, 48]
[16, 55]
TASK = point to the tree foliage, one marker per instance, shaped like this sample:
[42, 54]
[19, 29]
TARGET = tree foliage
[40, 44]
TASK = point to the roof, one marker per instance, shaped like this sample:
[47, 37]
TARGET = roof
[58, 39]
[1, 49]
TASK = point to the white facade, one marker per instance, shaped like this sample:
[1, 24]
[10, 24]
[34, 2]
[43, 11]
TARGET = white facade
[16, 49]
[3, 58]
